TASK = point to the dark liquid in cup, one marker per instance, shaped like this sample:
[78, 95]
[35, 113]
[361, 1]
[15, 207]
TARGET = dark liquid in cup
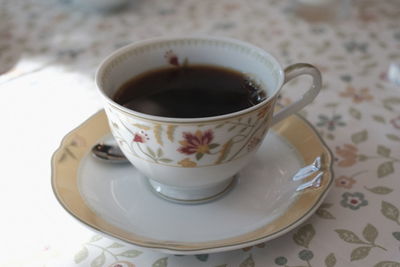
[189, 92]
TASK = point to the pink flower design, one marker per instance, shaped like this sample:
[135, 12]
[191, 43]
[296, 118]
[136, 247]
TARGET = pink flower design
[198, 143]
[140, 137]
[345, 182]
[172, 58]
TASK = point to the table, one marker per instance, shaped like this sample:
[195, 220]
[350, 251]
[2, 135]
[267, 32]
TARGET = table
[49, 51]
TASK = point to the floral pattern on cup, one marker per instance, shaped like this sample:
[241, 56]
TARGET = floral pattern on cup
[173, 59]
[140, 137]
[198, 143]
[192, 145]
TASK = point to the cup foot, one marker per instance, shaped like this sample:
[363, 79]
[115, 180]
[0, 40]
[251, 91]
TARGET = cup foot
[192, 196]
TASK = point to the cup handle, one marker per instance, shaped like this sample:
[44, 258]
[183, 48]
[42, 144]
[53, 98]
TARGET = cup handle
[292, 72]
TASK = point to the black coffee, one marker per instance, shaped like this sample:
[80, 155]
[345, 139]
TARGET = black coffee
[189, 92]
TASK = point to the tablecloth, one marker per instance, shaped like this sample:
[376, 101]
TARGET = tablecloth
[49, 51]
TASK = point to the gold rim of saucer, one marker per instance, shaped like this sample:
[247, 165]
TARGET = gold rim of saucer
[76, 144]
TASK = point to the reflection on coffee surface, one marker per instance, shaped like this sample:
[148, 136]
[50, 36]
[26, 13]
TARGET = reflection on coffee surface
[193, 91]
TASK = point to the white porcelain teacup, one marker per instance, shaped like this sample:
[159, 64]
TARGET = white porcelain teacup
[195, 160]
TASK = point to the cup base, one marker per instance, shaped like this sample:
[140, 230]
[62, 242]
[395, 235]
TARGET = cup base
[192, 196]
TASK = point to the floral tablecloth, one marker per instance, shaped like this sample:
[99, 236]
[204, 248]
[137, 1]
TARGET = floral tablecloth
[49, 51]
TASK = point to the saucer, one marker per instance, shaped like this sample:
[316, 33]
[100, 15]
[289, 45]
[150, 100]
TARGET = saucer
[116, 200]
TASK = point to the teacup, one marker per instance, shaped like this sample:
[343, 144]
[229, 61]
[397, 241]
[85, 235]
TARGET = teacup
[193, 160]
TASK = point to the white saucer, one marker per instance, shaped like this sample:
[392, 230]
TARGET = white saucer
[117, 201]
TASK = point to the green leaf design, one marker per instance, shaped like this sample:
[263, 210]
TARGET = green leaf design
[304, 235]
[360, 253]
[219, 125]
[331, 105]
[393, 55]
[349, 237]
[383, 151]
[130, 253]
[393, 137]
[380, 190]
[359, 137]
[337, 58]
[151, 152]
[81, 255]
[379, 85]
[232, 128]
[385, 169]
[389, 102]
[390, 211]
[387, 264]
[379, 118]
[163, 262]
[165, 160]
[160, 153]
[211, 146]
[248, 262]
[222, 265]
[371, 65]
[355, 113]
[95, 238]
[115, 125]
[116, 245]
[383, 44]
[325, 205]
[323, 213]
[396, 235]
[330, 136]
[202, 257]
[370, 233]
[199, 156]
[362, 157]
[99, 260]
[330, 260]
